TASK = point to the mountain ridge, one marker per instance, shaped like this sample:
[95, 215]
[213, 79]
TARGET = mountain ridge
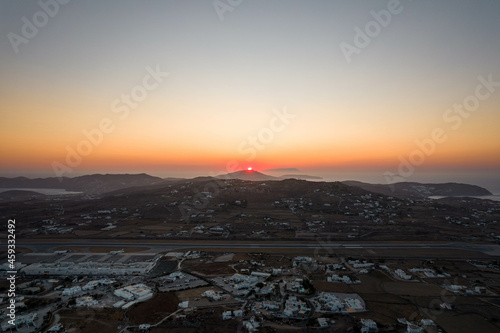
[101, 183]
[421, 190]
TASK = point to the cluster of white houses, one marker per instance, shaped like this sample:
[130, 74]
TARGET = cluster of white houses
[132, 294]
[215, 296]
[336, 302]
[345, 279]
[91, 285]
[240, 281]
[402, 274]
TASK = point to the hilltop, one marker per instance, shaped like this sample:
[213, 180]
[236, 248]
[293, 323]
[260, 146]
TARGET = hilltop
[96, 183]
[250, 175]
[419, 190]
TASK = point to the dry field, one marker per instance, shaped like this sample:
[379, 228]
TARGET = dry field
[332, 287]
[91, 321]
[210, 269]
[153, 310]
[413, 289]
[465, 323]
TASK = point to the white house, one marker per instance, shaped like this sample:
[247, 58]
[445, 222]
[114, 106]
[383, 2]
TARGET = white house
[72, 291]
[227, 315]
[368, 325]
[124, 294]
[322, 322]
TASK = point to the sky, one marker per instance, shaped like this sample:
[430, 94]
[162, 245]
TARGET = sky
[395, 89]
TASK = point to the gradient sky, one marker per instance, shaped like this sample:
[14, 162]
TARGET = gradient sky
[227, 76]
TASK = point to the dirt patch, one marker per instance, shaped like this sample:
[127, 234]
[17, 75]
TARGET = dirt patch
[23, 250]
[85, 233]
[332, 287]
[210, 269]
[201, 321]
[91, 321]
[224, 258]
[174, 330]
[412, 289]
[465, 323]
[371, 283]
[241, 256]
[153, 310]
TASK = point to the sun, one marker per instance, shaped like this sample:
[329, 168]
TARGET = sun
[249, 169]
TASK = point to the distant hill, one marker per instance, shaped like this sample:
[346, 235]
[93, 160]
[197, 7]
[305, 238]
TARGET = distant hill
[247, 175]
[99, 183]
[283, 170]
[96, 183]
[16, 195]
[299, 177]
[19, 193]
[289, 173]
[418, 190]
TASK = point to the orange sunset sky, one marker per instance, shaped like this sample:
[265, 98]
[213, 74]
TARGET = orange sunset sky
[230, 76]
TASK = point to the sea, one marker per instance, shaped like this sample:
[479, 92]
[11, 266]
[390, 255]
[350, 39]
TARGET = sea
[46, 191]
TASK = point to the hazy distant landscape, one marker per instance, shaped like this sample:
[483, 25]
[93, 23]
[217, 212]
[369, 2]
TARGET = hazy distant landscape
[234, 166]
[246, 237]
[239, 204]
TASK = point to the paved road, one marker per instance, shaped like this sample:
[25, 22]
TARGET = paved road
[40, 246]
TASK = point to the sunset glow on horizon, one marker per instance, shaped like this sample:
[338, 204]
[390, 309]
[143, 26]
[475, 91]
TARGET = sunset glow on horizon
[168, 88]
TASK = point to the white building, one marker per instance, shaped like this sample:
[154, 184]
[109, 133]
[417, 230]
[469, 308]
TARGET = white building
[128, 305]
[266, 290]
[303, 260]
[86, 301]
[72, 291]
[124, 294]
[176, 275]
[329, 303]
[368, 325]
[427, 322]
[138, 292]
[260, 274]
[91, 285]
[252, 325]
[270, 305]
[119, 304]
[336, 278]
[212, 295]
[412, 328]
[322, 322]
[243, 278]
[399, 272]
[183, 305]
